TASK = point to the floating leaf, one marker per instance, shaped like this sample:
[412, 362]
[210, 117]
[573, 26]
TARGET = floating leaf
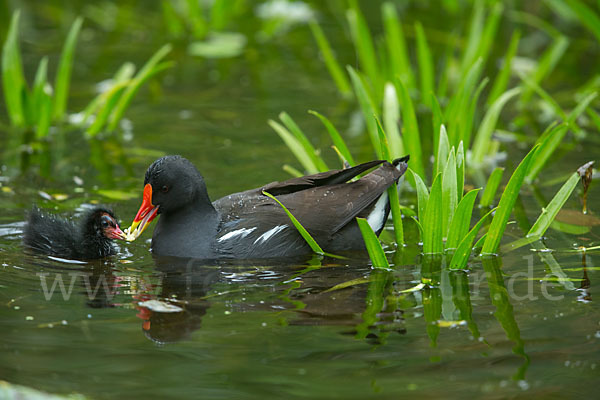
[117, 194]
[344, 285]
[160, 306]
[219, 45]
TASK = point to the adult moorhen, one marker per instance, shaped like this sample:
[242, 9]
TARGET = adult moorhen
[91, 237]
[251, 225]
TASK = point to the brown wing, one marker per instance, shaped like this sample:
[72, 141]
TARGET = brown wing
[323, 203]
[324, 210]
[327, 178]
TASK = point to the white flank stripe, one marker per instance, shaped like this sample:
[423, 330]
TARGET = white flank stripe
[242, 233]
[267, 235]
[375, 218]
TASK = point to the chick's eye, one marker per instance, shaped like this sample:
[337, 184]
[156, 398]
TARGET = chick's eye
[164, 189]
[105, 222]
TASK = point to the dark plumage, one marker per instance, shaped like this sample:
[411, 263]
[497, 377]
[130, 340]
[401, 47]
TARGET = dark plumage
[90, 237]
[251, 225]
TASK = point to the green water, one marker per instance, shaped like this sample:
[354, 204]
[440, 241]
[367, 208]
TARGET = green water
[525, 325]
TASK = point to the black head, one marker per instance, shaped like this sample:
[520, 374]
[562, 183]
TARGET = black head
[100, 223]
[175, 183]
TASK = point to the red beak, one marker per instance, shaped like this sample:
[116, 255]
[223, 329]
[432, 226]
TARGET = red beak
[116, 233]
[146, 213]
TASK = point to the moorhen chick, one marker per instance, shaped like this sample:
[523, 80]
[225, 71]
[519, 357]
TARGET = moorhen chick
[91, 237]
[251, 225]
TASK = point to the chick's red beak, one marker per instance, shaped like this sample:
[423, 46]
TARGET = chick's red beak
[115, 233]
[146, 213]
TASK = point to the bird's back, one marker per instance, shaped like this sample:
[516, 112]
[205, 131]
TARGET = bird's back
[255, 226]
[51, 235]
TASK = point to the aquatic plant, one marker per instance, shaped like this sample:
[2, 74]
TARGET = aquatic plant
[216, 28]
[38, 108]
[388, 84]
[386, 88]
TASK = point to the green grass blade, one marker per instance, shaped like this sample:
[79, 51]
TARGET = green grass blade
[459, 107]
[433, 220]
[580, 108]
[396, 45]
[336, 138]
[172, 22]
[63, 74]
[121, 78]
[336, 71]
[38, 90]
[503, 77]
[391, 120]
[292, 171]
[449, 196]
[426, 71]
[45, 116]
[308, 147]
[422, 195]
[41, 101]
[443, 150]
[463, 251]
[507, 202]
[376, 253]
[305, 235]
[586, 15]
[198, 22]
[549, 212]
[438, 121]
[491, 187]
[366, 104]
[545, 96]
[460, 170]
[383, 150]
[488, 36]
[481, 34]
[410, 132]
[548, 144]
[149, 69]
[595, 117]
[363, 43]
[392, 190]
[466, 128]
[479, 244]
[112, 99]
[117, 109]
[475, 35]
[483, 137]
[396, 214]
[461, 220]
[546, 64]
[220, 14]
[13, 81]
[295, 147]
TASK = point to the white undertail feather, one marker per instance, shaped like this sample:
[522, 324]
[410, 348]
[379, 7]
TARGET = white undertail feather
[376, 217]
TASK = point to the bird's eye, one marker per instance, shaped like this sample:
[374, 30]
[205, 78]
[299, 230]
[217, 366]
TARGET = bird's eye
[105, 221]
[164, 189]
